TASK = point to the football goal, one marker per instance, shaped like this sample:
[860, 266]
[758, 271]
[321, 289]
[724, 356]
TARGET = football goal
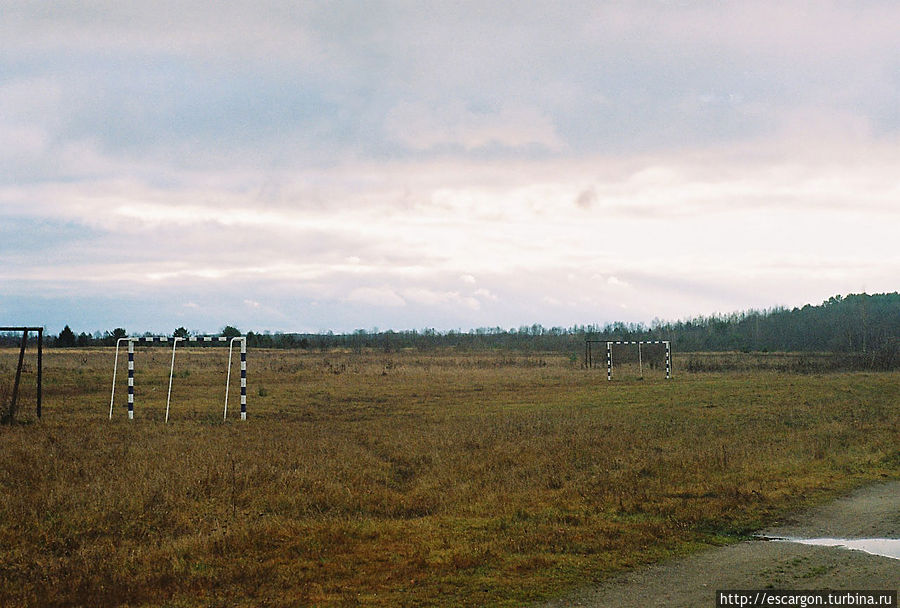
[631, 356]
[131, 341]
[8, 413]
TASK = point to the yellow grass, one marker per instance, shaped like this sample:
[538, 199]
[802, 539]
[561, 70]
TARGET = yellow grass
[406, 478]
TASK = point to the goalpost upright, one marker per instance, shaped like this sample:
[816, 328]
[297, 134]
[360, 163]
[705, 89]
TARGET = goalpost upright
[175, 340]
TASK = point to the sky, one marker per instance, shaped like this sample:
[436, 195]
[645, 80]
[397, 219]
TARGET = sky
[315, 166]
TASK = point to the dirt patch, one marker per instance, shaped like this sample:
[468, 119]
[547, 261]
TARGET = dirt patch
[871, 512]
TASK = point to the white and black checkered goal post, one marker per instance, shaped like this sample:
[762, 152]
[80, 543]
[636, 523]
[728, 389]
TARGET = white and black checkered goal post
[175, 341]
[609, 360]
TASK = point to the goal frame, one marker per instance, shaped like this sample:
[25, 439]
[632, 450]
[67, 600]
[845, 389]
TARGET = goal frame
[25, 330]
[589, 359]
[131, 340]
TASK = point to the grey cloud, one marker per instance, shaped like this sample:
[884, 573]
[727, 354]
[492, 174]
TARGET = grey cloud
[275, 83]
[586, 198]
[298, 137]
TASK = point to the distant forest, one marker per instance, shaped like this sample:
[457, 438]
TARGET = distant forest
[858, 323]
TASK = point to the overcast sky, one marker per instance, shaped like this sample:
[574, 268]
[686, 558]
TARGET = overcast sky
[306, 166]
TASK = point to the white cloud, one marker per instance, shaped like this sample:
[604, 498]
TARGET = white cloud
[434, 298]
[376, 296]
[485, 294]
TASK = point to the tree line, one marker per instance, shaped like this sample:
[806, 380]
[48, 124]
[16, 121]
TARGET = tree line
[857, 323]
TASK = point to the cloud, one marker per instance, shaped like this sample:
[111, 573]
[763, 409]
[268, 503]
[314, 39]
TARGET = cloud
[496, 223]
[422, 126]
[432, 298]
[355, 162]
[590, 79]
[586, 198]
[376, 296]
[485, 294]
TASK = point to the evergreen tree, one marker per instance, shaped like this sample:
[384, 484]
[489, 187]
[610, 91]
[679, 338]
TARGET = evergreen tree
[231, 332]
[66, 337]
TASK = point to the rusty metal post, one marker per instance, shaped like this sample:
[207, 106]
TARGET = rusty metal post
[15, 395]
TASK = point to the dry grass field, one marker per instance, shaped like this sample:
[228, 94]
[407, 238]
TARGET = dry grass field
[406, 479]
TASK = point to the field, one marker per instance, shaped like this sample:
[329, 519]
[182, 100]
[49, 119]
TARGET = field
[392, 479]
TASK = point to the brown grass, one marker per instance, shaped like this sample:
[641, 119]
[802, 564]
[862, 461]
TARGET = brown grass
[407, 478]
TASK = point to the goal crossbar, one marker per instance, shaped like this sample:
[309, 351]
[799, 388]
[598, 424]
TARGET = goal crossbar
[131, 340]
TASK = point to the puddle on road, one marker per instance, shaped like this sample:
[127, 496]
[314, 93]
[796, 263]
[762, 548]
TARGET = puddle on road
[887, 547]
